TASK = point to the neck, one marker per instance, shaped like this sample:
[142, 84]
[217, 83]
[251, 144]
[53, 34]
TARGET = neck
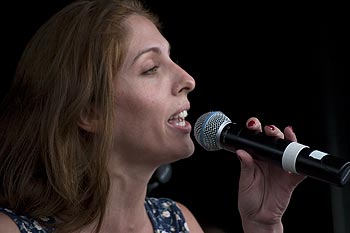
[125, 207]
[125, 210]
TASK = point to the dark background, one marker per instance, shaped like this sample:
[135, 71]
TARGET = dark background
[282, 66]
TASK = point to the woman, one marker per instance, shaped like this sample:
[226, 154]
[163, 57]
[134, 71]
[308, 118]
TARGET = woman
[96, 106]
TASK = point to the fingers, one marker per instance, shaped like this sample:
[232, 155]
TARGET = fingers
[248, 165]
[272, 130]
[247, 173]
[247, 161]
[289, 134]
[253, 123]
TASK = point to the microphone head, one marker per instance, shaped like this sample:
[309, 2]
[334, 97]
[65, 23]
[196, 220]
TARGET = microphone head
[207, 129]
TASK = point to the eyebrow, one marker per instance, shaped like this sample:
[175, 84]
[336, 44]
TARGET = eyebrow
[151, 49]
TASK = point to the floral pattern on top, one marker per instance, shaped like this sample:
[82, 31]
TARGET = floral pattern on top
[166, 216]
[164, 213]
[27, 224]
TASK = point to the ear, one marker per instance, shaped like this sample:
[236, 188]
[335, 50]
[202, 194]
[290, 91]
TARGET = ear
[88, 120]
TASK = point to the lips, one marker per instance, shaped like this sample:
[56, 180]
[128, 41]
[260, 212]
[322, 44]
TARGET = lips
[179, 119]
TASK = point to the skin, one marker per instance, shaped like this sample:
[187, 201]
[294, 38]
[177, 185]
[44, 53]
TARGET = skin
[150, 89]
[262, 199]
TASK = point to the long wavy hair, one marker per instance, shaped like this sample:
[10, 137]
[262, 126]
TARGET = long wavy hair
[49, 166]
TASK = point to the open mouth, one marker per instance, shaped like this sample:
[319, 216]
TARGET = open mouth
[179, 119]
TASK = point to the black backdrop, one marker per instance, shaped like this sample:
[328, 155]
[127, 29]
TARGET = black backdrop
[279, 65]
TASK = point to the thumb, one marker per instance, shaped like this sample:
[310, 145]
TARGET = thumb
[247, 168]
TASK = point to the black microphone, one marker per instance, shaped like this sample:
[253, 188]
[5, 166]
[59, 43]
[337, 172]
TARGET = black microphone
[215, 131]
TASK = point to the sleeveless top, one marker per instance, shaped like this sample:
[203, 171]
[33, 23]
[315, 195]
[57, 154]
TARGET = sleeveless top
[165, 215]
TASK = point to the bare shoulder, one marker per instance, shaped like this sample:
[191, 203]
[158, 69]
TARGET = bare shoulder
[7, 225]
[191, 220]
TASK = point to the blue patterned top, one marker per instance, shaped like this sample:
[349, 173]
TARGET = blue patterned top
[165, 215]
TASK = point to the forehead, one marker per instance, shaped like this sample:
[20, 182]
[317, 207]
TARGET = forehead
[143, 33]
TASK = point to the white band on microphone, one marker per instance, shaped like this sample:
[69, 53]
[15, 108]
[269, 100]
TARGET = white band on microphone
[290, 155]
[316, 154]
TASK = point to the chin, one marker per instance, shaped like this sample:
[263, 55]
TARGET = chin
[182, 154]
[189, 151]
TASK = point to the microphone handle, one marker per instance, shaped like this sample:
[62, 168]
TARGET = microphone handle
[291, 156]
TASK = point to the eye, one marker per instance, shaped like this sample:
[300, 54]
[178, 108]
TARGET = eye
[152, 70]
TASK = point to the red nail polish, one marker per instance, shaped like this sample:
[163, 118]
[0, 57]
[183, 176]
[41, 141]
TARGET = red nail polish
[251, 123]
[271, 127]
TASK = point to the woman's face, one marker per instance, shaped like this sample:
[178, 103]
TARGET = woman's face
[151, 100]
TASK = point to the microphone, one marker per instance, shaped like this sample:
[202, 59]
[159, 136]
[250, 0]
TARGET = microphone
[215, 131]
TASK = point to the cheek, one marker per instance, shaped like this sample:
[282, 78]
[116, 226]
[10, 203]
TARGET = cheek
[128, 113]
[139, 102]
[135, 120]
[127, 104]
[133, 106]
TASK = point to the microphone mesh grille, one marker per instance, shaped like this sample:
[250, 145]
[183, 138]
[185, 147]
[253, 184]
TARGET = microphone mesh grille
[206, 129]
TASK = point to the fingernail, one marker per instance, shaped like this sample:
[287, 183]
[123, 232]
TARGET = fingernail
[271, 127]
[251, 123]
[291, 128]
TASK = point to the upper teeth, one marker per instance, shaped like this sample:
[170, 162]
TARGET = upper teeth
[180, 118]
[181, 115]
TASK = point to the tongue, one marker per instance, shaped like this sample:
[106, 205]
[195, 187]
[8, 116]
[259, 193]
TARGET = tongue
[174, 121]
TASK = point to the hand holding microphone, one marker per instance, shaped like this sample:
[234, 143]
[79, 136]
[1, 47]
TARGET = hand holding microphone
[215, 131]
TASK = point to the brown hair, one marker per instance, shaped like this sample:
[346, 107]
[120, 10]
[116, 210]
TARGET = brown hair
[49, 166]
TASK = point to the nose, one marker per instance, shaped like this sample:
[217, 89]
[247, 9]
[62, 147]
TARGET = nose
[185, 83]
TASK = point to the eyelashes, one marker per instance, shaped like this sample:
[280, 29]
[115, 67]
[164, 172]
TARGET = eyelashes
[152, 70]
